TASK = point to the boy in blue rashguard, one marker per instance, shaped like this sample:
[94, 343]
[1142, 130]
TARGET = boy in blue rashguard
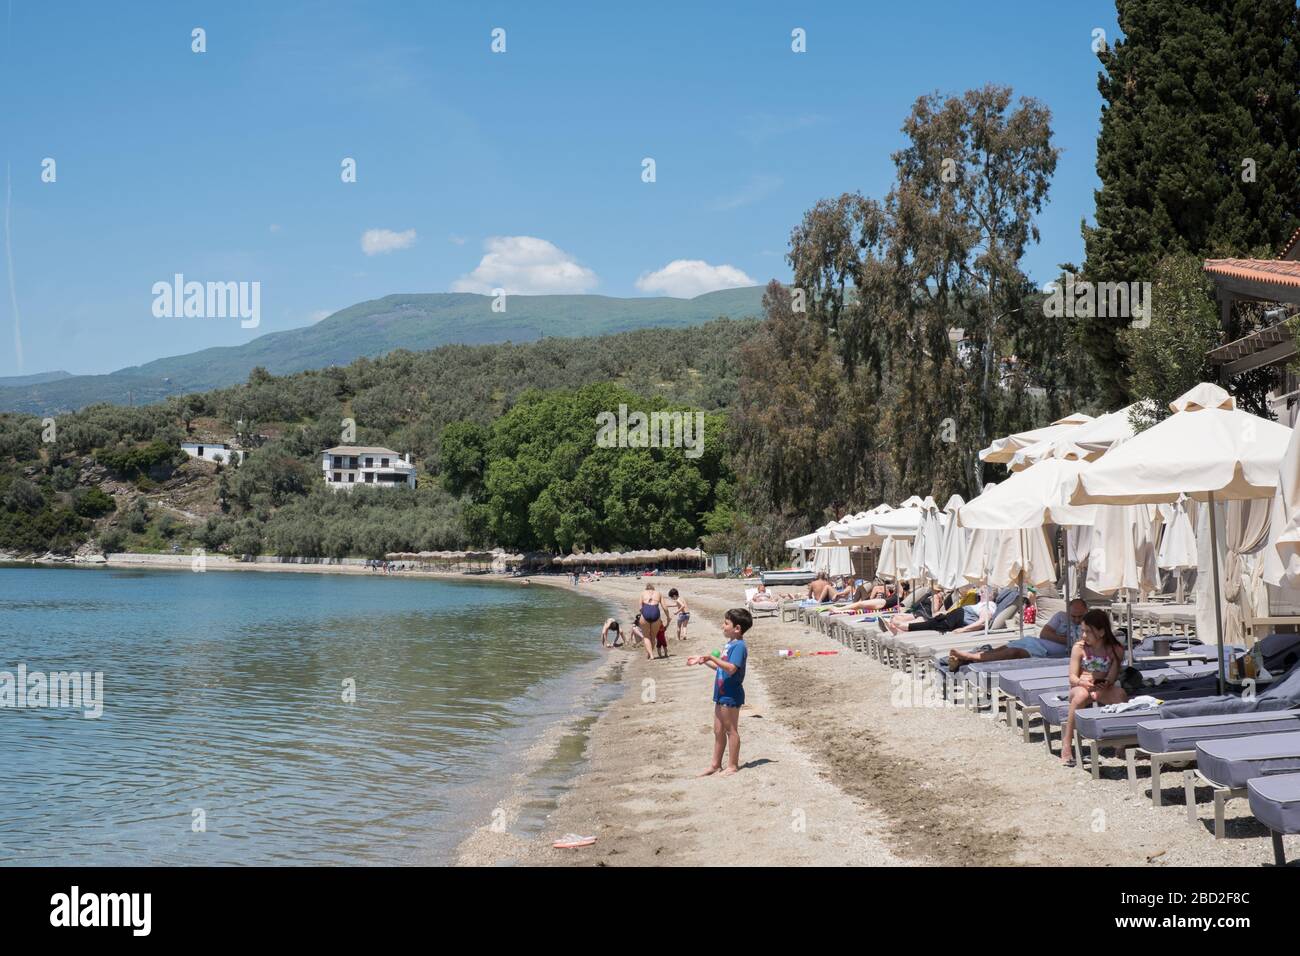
[728, 690]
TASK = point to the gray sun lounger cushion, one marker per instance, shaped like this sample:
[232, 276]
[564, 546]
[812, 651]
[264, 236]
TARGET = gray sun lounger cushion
[1233, 761]
[1034, 692]
[1168, 736]
[1283, 694]
[1281, 652]
[1015, 682]
[1275, 801]
[1094, 724]
[1145, 648]
[971, 672]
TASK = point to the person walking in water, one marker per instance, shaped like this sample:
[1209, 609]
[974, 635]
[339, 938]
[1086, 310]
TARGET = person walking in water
[652, 612]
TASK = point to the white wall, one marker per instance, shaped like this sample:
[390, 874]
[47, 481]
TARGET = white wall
[211, 452]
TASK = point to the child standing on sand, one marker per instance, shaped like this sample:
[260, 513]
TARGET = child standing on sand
[728, 690]
[680, 611]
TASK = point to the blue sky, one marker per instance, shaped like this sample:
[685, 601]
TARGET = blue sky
[225, 165]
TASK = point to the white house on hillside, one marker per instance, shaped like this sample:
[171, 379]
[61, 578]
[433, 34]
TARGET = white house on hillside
[348, 465]
[217, 451]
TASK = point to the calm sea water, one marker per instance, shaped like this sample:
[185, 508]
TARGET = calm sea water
[223, 693]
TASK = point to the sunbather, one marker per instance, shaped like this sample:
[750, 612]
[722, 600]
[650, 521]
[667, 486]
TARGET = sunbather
[971, 617]
[891, 600]
[1054, 640]
[821, 589]
[1095, 663]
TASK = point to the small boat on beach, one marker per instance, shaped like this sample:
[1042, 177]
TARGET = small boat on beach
[794, 576]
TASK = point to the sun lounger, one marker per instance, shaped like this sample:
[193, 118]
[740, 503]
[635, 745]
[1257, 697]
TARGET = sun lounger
[1228, 765]
[1165, 742]
[1045, 692]
[1098, 727]
[1145, 649]
[771, 605]
[1275, 801]
[912, 648]
[857, 633]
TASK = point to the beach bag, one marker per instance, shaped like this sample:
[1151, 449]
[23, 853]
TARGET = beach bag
[1130, 680]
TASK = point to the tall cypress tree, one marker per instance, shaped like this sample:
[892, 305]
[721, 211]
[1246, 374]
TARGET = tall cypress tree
[1199, 149]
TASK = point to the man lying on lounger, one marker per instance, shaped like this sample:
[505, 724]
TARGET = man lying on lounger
[1054, 640]
[970, 617]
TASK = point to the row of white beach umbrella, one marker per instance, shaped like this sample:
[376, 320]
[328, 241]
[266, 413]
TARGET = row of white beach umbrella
[568, 560]
[1128, 502]
[631, 557]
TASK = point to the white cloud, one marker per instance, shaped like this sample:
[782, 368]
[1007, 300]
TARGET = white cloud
[275, 227]
[375, 242]
[321, 314]
[525, 265]
[687, 278]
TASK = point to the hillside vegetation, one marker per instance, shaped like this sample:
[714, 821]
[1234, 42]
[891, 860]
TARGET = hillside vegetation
[114, 476]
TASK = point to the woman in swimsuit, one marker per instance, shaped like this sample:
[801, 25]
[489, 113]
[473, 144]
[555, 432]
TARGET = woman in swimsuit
[1095, 663]
[651, 612]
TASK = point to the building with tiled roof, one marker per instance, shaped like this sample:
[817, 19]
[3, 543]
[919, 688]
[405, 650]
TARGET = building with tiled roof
[1273, 282]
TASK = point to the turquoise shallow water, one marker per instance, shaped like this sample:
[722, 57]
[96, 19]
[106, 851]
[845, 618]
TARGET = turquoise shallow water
[223, 693]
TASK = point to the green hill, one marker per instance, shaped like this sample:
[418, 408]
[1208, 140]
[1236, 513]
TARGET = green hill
[372, 329]
[117, 475]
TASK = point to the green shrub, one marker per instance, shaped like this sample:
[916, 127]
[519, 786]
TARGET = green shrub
[92, 502]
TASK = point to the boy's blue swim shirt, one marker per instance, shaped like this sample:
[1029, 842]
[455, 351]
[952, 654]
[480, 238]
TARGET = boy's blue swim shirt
[728, 689]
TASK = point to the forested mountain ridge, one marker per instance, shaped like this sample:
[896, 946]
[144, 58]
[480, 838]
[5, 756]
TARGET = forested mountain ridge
[371, 329]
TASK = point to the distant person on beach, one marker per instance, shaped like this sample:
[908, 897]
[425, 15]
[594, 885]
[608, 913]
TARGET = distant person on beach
[639, 637]
[970, 617]
[611, 626]
[845, 590]
[681, 613]
[652, 611]
[728, 690]
[821, 589]
[891, 600]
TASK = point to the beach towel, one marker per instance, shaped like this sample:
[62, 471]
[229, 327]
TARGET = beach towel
[1136, 703]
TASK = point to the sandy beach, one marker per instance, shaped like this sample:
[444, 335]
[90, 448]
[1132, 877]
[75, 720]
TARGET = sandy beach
[833, 773]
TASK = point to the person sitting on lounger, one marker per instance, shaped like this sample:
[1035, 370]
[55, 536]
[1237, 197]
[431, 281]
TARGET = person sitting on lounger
[891, 600]
[971, 617]
[1054, 640]
[1095, 663]
[821, 589]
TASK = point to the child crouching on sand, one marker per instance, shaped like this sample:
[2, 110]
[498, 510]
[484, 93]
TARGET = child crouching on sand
[728, 690]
